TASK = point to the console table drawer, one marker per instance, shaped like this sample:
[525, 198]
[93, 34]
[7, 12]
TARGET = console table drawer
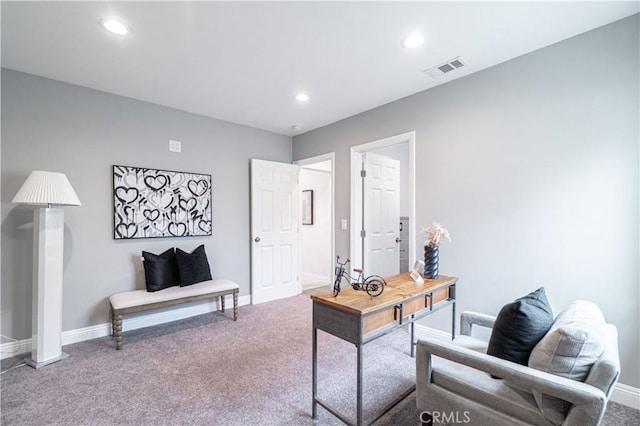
[391, 314]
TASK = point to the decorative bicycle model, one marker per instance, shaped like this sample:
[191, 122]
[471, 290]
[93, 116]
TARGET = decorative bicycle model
[373, 284]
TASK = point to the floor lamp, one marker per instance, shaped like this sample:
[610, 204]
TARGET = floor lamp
[47, 189]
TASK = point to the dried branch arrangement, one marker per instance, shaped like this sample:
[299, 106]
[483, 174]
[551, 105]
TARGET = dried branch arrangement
[434, 233]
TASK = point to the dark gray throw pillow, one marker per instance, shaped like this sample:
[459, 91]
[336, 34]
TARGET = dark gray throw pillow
[160, 270]
[193, 267]
[519, 327]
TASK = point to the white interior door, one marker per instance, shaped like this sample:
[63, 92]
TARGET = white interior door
[274, 231]
[381, 205]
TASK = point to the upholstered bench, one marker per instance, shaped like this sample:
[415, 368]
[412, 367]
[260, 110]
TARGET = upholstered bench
[142, 300]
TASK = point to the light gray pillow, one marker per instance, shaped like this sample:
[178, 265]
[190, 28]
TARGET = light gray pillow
[580, 312]
[570, 348]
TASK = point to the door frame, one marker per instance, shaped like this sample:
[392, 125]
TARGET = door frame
[356, 189]
[331, 156]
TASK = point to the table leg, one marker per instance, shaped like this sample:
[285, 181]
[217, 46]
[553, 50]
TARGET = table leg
[413, 338]
[314, 350]
[453, 321]
[452, 294]
[359, 388]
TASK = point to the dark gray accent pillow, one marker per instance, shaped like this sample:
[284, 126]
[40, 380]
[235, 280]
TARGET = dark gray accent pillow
[160, 270]
[519, 327]
[193, 267]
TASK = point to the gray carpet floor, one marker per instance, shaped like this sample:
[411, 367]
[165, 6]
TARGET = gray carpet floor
[209, 370]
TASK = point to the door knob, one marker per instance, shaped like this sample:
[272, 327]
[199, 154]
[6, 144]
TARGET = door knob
[256, 239]
[398, 239]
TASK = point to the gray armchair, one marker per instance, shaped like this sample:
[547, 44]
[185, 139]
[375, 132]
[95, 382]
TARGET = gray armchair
[454, 383]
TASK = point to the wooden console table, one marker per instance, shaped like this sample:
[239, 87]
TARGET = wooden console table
[358, 318]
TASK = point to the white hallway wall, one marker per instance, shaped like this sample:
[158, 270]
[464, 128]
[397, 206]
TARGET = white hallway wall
[316, 238]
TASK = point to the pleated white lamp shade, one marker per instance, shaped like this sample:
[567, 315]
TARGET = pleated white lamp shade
[49, 188]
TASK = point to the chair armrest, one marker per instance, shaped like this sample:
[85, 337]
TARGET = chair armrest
[468, 319]
[519, 376]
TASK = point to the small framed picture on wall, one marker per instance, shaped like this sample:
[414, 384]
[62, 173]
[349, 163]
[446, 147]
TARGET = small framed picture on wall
[307, 207]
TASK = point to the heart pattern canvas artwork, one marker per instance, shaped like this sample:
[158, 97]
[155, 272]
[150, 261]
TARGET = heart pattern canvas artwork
[150, 203]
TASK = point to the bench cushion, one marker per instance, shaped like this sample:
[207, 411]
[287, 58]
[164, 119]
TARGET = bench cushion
[143, 297]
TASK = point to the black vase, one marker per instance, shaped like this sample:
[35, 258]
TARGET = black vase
[431, 262]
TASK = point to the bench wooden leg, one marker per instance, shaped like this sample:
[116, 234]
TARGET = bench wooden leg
[117, 325]
[235, 306]
[222, 303]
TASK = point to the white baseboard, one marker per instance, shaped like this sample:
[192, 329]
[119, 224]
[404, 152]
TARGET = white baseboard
[148, 320]
[626, 395]
[86, 333]
[14, 348]
[144, 320]
[622, 394]
[423, 330]
[308, 277]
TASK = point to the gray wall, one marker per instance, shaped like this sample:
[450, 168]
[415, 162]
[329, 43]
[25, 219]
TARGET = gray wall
[50, 125]
[532, 165]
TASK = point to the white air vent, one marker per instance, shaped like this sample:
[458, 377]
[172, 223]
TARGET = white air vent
[446, 67]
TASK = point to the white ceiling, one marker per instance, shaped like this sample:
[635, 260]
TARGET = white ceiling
[244, 62]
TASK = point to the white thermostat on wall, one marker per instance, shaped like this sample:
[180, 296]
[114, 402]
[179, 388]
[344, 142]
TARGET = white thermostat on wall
[175, 146]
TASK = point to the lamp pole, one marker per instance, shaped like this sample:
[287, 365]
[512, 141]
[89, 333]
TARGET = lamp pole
[47, 189]
[48, 254]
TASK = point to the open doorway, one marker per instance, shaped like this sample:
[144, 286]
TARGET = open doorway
[383, 205]
[316, 183]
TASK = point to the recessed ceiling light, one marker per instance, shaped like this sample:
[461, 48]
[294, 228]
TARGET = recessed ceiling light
[114, 26]
[302, 97]
[412, 41]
